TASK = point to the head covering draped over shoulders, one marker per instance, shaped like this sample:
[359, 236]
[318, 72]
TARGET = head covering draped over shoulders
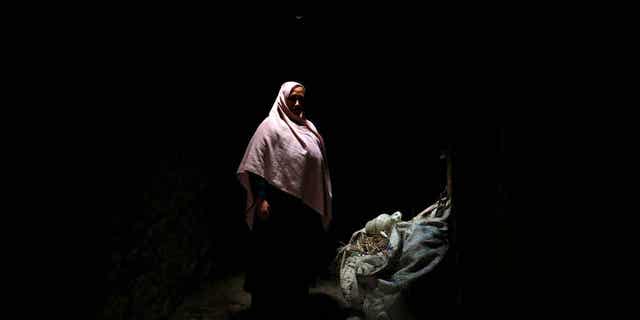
[289, 153]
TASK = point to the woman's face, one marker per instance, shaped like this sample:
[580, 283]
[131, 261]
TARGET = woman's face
[295, 101]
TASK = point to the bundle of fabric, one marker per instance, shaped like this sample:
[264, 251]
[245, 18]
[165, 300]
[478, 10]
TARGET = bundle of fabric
[375, 268]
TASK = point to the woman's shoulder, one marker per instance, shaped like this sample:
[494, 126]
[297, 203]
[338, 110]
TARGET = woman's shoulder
[311, 126]
[268, 129]
[267, 126]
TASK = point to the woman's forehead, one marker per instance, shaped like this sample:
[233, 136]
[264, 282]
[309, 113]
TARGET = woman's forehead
[297, 90]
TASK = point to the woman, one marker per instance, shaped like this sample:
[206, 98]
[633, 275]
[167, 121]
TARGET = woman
[285, 174]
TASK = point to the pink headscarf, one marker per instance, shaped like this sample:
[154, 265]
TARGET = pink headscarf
[289, 153]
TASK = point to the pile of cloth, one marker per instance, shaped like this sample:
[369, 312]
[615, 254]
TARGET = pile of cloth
[385, 257]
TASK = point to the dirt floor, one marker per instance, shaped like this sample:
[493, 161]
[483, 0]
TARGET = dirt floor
[225, 299]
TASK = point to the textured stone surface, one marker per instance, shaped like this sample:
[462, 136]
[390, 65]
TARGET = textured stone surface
[225, 300]
[163, 254]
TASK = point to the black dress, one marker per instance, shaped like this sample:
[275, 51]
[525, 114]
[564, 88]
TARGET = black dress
[286, 252]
